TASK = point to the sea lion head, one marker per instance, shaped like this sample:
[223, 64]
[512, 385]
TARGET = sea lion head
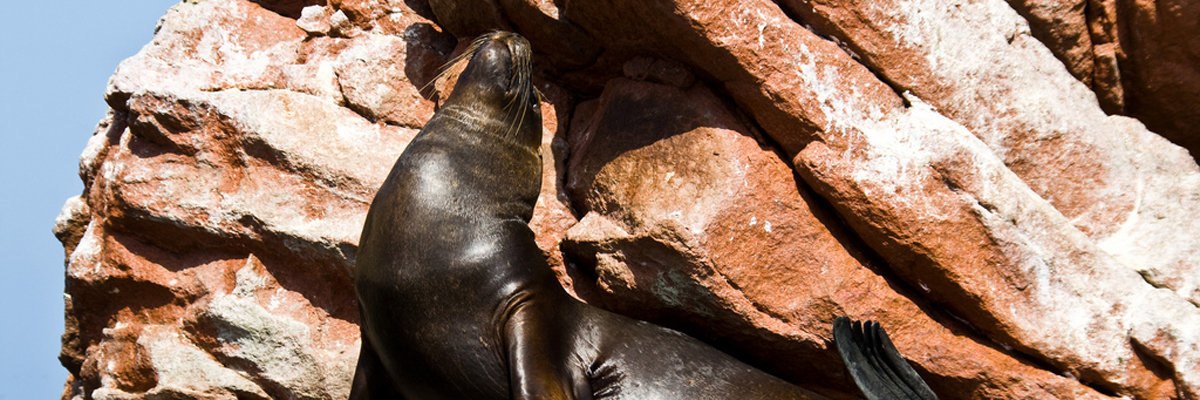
[498, 81]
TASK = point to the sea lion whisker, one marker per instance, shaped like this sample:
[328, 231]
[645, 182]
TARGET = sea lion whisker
[449, 65]
[443, 71]
[521, 72]
[515, 123]
[519, 81]
[510, 120]
[512, 101]
[524, 110]
[521, 117]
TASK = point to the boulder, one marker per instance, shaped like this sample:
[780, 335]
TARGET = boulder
[979, 177]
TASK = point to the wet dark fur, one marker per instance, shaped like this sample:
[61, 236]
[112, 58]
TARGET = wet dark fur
[456, 299]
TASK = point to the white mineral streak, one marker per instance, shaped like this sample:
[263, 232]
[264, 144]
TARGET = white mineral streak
[84, 262]
[310, 144]
[185, 371]
[280, 348]
[315, 135]
[371, 76]
[1015, 85]
[1081, 306]
[74, 208]
[317, 139]
[1077, 301]
[313, 20]
[326, 162]
[999, 81]
[176, 62]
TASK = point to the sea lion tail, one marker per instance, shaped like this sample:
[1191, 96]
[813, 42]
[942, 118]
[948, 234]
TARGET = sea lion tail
[877, 368]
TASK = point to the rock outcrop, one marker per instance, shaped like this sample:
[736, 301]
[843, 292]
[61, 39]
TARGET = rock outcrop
[978, 176]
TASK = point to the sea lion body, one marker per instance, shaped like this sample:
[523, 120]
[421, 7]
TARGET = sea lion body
[456, 299]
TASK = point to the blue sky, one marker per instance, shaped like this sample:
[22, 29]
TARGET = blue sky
[55, 59]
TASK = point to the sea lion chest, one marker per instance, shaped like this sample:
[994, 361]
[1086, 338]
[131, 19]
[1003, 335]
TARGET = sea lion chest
[443, 243]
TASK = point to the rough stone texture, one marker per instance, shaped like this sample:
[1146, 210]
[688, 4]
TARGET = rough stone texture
[1000, 83]
[736, 248]
[1139, 56]
[744, 171]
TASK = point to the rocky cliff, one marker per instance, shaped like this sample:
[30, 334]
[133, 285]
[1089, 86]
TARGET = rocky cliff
[1000, 184]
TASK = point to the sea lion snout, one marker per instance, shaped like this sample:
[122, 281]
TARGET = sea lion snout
[496, 89]
[517, 45]
[498, 76]
[502, 59]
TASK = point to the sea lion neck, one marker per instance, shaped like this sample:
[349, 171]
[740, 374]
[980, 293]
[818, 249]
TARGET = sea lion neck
[494, 94]
[523, 131]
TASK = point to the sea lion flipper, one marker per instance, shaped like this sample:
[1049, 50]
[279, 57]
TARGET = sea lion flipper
[370, 379]
[536, 363]
[875, 364]
[458, 294]
[907, 375]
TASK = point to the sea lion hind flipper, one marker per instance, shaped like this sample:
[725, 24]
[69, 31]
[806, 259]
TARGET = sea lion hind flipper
[875, 364]
[370, 379]
[902, 369]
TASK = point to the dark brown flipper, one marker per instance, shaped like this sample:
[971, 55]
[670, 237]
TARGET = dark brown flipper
[370, 379]
[875, 364]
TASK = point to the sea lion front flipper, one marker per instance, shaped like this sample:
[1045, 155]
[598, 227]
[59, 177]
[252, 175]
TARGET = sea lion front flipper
[538, 365]
[875, 364]
[370, 379]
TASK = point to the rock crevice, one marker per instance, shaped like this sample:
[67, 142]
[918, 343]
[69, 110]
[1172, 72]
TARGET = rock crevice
[979, 177]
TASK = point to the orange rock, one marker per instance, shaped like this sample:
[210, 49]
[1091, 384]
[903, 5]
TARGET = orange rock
[760, 262]
[771, 165]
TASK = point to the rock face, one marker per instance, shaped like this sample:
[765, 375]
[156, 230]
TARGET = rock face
[1139, 56]
[978, 176]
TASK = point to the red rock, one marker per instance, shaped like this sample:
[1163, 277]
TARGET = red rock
[971, 195]
[692, 223]
[1062, 26]
[1002, 86]
[290, 8]
[552, 215]
[1144, 54]
[999, 256]
[467, 19]
[1161, 76]
[315, 20]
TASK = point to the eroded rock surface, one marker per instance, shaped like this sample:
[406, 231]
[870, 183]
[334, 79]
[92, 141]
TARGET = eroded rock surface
[978, 176]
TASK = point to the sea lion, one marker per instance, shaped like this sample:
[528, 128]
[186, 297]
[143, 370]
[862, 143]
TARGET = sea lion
[456, 299]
